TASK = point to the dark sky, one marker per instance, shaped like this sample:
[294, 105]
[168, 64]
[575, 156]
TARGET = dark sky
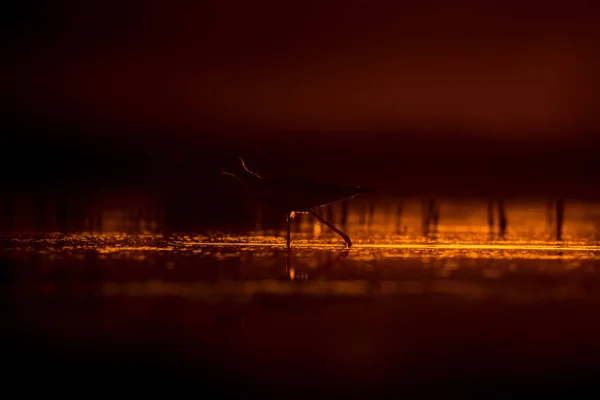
[368, 75]
[496, 68]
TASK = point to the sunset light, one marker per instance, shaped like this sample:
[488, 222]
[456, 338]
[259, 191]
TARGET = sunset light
[321, 199]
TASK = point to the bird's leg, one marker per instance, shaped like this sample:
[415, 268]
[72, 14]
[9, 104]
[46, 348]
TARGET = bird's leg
[289, 220]
[333, 228]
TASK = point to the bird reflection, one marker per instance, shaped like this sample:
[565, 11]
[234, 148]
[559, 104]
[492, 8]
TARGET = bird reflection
[292, 275]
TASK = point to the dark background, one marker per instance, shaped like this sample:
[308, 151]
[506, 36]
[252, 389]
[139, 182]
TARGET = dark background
[458, 100]
[133, 101]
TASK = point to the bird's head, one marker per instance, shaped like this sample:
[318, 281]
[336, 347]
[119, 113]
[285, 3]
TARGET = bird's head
[233, 166]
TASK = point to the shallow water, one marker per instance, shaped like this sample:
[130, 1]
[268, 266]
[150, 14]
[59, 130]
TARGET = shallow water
[221, 265]
[396, 310]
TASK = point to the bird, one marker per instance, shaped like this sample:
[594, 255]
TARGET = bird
[291, 195]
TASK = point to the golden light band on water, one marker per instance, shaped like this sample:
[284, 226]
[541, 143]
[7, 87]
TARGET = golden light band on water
[409, 246]
[245, 291]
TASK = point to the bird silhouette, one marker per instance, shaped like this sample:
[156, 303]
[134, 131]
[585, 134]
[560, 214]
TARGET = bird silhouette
[291, 195]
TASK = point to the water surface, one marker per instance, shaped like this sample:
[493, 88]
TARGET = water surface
[396, 311]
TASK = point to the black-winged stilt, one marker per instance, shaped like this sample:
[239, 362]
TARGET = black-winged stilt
[291, 195]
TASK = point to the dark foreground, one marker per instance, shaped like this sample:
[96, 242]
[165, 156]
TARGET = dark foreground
[80, 317]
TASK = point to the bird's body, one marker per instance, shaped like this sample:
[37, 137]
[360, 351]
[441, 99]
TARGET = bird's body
[300, 195]
[290, 194]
